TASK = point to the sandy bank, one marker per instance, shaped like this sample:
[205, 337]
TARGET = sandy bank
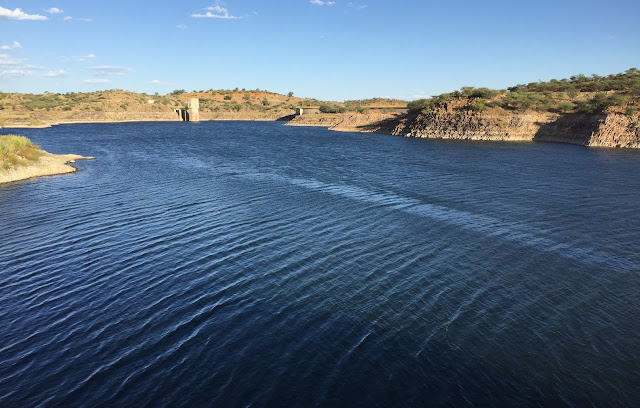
[47, 165]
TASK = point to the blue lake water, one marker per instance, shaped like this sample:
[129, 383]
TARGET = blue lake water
[255, 264]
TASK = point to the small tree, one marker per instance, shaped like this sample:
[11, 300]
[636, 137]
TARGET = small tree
[479, 105]
[290, 94]
[265, 102]
[565, 106]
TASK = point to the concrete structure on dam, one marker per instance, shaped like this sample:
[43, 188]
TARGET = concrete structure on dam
[190, 113]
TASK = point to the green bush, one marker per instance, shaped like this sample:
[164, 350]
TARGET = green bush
[328, 108]
[479, 105]
[421, 105]
[17, 150]
[565, 106]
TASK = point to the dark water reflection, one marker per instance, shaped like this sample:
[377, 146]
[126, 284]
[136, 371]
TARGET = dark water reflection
[253, 264]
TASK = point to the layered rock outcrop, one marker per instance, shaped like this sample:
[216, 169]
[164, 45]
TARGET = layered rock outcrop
[601, 130]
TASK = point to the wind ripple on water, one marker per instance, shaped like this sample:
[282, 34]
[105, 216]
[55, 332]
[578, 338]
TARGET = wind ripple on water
[335, 271]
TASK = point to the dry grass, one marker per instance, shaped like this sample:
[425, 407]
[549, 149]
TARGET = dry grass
[17, 151]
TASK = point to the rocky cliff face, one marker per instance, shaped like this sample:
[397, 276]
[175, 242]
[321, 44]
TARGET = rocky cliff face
[603, 130]
[497, 126]
[617, 131]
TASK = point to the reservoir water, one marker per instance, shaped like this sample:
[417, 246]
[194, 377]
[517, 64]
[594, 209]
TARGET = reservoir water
[254, 264]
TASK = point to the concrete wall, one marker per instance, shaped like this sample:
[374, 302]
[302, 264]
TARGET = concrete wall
[307, 111]
[193, 109]
[191, 113]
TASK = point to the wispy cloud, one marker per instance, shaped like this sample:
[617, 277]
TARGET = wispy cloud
[69, 18]
[420, 95]
[54, 10]
[107, 70]
[18, 14]
[216, 11]
[159, 82]
[322, 3]
[56, 73]
[13, 67]
[18, 68]
[16, 45]
[96, 81]
[182, 26]
[356, 6]
[88, 57]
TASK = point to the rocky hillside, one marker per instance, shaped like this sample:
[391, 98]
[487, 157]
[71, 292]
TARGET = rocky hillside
[33, 110]
[116, 105]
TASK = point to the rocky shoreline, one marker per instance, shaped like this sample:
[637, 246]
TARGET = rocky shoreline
[613, 130]
[47, 165]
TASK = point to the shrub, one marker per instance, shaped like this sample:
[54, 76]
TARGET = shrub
[485, 93]
[17, 150]
[565, 106]
[479, 105]
[227, 97]
[328, 108]
[421, 105]
[616, 100]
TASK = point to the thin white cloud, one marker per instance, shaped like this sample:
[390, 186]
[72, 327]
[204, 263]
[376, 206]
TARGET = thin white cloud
[159, 82]
[106, 70]
[182, 26]
[16, 45]
[16, 68]
[420, 95]
[18, 14]
[216, 11]
[356, 6]
[56, 73]
[96, 81]
[54, 10]
[322, 3]
[13, 67]
[86, 57]
[69, 18]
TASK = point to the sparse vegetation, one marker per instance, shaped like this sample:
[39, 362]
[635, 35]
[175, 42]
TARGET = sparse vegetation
[332, 108]
[580, 93]
[17, 151]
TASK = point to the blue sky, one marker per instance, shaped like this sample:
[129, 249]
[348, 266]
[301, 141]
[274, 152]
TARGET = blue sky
[332, 50]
